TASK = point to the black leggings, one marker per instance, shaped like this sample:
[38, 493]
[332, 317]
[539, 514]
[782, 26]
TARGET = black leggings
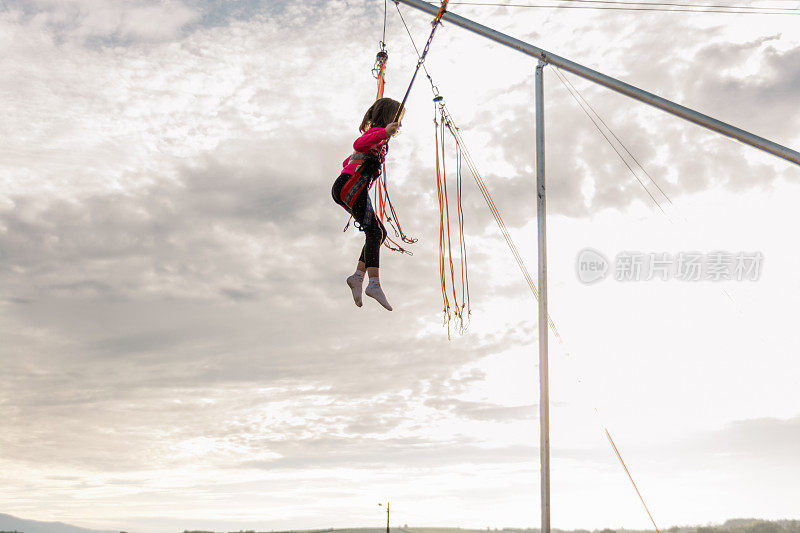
[368, 222]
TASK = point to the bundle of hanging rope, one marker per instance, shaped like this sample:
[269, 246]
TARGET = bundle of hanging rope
[381, 198]
[457, 310]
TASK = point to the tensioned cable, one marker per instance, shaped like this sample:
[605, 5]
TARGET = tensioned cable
[570, 87]
[605, 136]
[699, 9]
[433, 87]
[616, 451]
[672, 4]
[564, 78]
[383, 39]
[421, 61]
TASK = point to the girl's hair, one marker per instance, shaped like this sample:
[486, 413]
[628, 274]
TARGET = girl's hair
[382, 113]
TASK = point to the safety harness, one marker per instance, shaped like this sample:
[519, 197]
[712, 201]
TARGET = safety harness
[367, 171]
[371, 168]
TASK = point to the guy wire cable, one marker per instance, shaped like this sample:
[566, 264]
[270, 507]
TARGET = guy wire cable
[573, 92]
[642, 7]
[565, 78]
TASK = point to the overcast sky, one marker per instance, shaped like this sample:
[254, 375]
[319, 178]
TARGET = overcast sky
[180, 351]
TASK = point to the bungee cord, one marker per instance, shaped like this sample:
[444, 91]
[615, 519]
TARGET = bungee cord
[421, 57]
[434, 89]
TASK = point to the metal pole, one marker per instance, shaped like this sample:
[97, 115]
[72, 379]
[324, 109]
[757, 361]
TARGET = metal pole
[541, 218]
[387, 515]
[615, 84]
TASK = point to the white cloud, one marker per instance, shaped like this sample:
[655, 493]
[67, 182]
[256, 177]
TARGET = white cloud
[173, 312]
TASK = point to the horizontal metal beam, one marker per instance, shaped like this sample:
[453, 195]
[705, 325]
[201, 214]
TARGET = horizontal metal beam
[620, 86]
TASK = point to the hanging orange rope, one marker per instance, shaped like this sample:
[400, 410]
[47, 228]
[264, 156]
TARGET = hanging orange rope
[616, 451]
[459, 309]
[380, 190]
[380, 202]
[379, 71]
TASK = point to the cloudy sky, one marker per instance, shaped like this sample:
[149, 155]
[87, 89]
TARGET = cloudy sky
[179, 349]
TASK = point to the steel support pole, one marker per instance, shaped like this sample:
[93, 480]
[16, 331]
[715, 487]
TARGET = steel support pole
[541, 219]
[620, 86]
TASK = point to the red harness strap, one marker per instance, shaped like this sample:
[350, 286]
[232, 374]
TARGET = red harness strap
[352, 188]
[366, 172]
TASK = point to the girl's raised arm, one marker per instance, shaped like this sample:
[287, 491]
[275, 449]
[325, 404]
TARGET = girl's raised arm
[372, 138]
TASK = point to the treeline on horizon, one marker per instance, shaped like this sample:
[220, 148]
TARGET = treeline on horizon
[737, 525]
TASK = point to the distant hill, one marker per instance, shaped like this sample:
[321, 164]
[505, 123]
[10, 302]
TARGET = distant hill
[738, 525]
[10, 523]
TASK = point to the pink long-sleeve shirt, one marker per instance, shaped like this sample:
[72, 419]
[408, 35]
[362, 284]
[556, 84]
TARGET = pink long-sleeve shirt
[373, 138]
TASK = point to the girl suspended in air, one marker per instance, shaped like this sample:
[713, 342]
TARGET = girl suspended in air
[351, 191]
